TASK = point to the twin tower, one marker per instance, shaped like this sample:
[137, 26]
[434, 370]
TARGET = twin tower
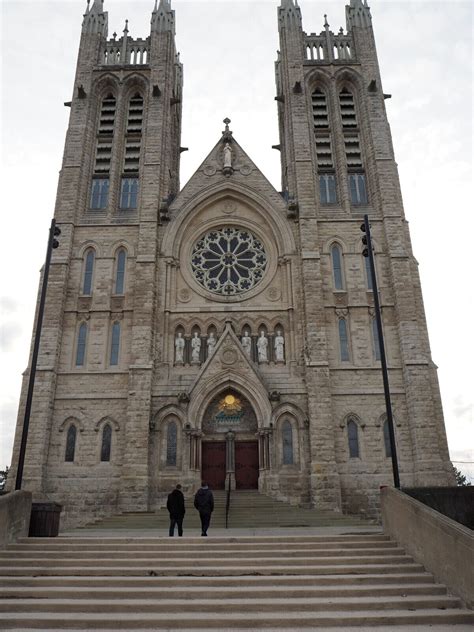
[226, 330]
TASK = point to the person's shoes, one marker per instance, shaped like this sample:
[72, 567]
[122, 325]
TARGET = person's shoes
[203, 535]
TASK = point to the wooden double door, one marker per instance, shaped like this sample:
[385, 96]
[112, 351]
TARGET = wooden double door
[214, 466]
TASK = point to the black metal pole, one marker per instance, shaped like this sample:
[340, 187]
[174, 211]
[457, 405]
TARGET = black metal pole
[383, 360]
[34, 358]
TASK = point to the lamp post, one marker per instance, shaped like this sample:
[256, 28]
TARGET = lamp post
[53, 243]
[368, 252]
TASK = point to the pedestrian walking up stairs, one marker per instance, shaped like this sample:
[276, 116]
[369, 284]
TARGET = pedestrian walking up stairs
[249, 509]
[285, 582]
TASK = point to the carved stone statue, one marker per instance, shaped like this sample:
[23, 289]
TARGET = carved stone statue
[196, 349]
[179, 346]
[262, 347]
[227, 156]
[247, 344]
[211, 344]
[279, 347]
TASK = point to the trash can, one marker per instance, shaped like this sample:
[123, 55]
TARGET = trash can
[44, 521]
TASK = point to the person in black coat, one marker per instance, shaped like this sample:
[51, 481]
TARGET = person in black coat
[204, 503]
[175, 506]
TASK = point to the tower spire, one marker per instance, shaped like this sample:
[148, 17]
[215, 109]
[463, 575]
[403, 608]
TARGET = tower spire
[358, 14]
[289, 13]
[95, 18]
[162, 17]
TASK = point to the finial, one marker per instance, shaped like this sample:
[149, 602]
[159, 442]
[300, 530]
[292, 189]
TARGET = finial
[88, 6]
[114, 35]
[326, 23]
[227, 121]
[341, 31]
[156, 6]
[125, 30]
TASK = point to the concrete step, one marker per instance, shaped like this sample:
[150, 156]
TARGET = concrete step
[212, 570]
[220, 621]
[231, 604]
[235, 582]
[108, 592]
[213, 583]
[194, 553]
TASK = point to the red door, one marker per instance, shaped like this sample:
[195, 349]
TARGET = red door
[213, 464]
[246, 464]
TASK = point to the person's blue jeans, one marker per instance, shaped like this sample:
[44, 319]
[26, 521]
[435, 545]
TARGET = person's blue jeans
[176, 522]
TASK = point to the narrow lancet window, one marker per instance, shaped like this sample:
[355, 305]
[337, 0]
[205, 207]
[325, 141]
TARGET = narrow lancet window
[287, 439]
[81, 345]
[171, 444]
[353, 438]
[386, 440]
[88, 272]
[106, 446]
[336, 256]
[121, 261]
[115, 344]
[343, 340]
[70, 444]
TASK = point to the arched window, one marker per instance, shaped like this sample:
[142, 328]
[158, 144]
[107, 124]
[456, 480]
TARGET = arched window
[88, 272]
[106, 443]
[120, 262]
[70, 443]
[324, 151]
[81, 345]
[115, 344]
[287, 440]
[368, 273]
[375, 336]
[171, 444]
[386, 440]
[353, 438]
[336, 256]
[343, 340]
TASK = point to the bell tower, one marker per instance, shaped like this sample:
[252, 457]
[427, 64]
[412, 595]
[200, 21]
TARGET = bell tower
[337, 164]
[120, 170]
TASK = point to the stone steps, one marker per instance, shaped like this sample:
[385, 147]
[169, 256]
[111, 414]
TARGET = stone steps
[289, 582]
[248, 509]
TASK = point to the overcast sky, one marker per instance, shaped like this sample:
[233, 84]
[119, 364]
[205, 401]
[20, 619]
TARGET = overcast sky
[228, 49]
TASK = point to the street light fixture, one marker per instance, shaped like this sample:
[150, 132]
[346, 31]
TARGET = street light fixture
[368, 252]
[53, 243]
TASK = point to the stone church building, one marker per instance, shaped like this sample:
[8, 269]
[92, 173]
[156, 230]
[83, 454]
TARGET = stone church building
[225, 330]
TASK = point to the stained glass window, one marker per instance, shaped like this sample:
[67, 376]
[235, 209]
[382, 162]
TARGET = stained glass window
[337, 267]
[343, 341]
[70, 443]
[386, 440]
[228, 261]
[287, 437]
[120, 271]
[353, 437]
[171, 444]
[115, 344]
[88, 272]
[106, 443]
[81, 345]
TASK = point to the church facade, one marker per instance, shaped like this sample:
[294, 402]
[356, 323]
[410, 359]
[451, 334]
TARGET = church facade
[225, 331]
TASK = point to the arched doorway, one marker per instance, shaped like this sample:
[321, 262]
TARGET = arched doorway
[229, 444]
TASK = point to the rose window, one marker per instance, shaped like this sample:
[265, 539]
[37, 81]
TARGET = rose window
[228, 261]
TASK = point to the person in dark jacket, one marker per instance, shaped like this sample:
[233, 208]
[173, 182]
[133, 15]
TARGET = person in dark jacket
[204, 503]
[175, 506]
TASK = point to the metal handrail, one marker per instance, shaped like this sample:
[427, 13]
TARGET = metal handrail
[227, 502]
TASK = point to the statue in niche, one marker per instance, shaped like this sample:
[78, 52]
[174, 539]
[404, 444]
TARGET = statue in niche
[211, 344]
[247, 344]
[196, 348]
[262, 347]
[179, 346]
[227, 156]
[279, 347]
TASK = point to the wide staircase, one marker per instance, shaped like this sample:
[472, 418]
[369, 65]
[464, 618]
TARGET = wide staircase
[249, 509]
[278, 582]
